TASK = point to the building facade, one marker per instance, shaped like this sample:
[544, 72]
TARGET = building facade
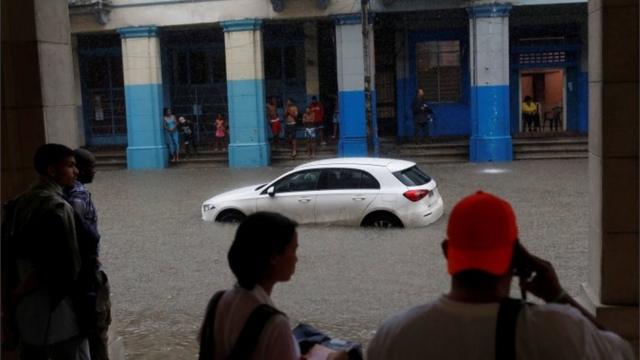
[475, 61]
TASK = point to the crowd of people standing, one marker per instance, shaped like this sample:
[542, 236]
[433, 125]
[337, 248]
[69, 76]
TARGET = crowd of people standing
[310, 119]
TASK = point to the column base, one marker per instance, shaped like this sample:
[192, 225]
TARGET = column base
[352, 147]
[490, 148]
[248, 155]
[147, 157]
[621, 319]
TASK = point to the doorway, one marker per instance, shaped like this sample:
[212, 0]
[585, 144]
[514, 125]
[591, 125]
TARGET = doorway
[546, 89]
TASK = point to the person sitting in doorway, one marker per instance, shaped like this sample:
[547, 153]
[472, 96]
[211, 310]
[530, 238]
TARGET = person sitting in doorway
[530, 115]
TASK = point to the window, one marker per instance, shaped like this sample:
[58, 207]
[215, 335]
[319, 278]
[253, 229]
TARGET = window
[412, 176]
[333, 179]
[291, 59]
[198, 66]
[300, 181]
[272, 63]
[180, 68]
[438, 70]
[219, 66]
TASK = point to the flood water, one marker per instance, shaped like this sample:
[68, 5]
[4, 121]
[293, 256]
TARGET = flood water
[164, 262]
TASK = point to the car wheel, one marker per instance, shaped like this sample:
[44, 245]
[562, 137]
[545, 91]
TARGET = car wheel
[382, 220]
[231, 216]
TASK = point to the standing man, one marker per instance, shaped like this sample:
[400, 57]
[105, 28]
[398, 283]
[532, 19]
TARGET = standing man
[290, 116]
[318, 113]
[274, 120]
[46, 258]
[477, 319]
[421, 115]
[94, 285]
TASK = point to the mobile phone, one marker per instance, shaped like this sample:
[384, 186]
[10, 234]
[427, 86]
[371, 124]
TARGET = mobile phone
[519, 266]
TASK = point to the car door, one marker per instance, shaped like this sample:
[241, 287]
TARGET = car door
[344, 194]
[294, 196]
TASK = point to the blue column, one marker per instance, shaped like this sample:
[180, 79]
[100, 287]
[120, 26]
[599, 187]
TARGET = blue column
[248, 145]
[350, 61]
[143, 97]
[489, 39]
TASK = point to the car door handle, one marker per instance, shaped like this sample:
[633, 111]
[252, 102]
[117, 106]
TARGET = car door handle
[304, 200]
[359, 198]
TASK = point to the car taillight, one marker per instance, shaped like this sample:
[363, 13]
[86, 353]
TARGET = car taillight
[415, 195]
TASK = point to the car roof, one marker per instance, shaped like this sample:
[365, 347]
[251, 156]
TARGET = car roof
[391, 164]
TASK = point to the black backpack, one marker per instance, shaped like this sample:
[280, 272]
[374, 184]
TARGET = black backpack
[249, 335]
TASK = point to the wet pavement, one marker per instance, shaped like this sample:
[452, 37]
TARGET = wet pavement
[164, 262]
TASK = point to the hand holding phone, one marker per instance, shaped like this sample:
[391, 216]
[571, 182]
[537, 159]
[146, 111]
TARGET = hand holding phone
[537, 276]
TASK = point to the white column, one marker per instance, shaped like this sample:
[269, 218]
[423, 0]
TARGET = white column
[146, 148]
[248, 145]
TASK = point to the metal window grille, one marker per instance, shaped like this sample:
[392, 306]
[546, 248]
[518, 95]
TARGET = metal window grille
[438, 70]
[550, 57]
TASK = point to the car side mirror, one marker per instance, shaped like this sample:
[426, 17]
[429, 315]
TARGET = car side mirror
[271, 191]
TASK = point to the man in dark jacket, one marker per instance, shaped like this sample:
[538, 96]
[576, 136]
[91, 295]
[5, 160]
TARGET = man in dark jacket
[94, 286]
[422, 114]
[47, 262]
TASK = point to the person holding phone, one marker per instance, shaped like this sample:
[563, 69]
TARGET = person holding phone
[476, 319]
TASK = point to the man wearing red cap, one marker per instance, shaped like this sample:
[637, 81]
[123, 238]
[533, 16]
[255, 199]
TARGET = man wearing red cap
[477, 319]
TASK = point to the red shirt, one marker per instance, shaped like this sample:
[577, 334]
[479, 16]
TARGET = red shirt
[318, 112]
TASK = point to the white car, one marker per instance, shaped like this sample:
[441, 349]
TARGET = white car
[346, 191]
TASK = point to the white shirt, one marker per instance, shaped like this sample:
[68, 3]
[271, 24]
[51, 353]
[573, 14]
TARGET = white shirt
[234, 308]
[446, 329]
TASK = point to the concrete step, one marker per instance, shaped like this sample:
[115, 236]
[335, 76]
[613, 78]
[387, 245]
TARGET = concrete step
[451, 151]
[543, 156]
[436, 159]
[550, 149]
[537, 148]
[432, 152]
[554, 140]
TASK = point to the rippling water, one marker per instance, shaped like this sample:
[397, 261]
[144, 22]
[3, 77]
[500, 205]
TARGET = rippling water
[164, 262]
[155, 335]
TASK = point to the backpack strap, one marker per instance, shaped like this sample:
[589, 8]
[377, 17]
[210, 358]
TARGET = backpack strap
[505, 346]
[248, 339]
[206, 337]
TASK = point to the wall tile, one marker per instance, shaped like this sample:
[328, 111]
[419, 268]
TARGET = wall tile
[619, 45]
[620, 194]
[620, 269]
[52, 21]
[620, 119]
[21, 74]
[595, 118]
[595, 224]
[595, 45]
[56, 71]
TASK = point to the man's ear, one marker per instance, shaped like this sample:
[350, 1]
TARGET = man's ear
[51, 170]
[445, 247]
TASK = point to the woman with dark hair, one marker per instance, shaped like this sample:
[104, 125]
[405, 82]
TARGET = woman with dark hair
[242, 322]
[170, 125]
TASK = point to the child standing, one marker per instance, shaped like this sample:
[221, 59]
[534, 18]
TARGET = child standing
[221, 133]
[186, 131]
[308, 120]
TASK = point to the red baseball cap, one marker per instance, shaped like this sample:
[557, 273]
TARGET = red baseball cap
[481, 232]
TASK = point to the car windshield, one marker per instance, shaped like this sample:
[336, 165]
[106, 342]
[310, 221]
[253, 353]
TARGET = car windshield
[412, 176]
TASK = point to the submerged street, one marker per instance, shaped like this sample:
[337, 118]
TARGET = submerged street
[164, 262]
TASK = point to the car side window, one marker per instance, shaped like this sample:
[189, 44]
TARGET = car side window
[369, 182]
[300, 181]
[336, 179]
